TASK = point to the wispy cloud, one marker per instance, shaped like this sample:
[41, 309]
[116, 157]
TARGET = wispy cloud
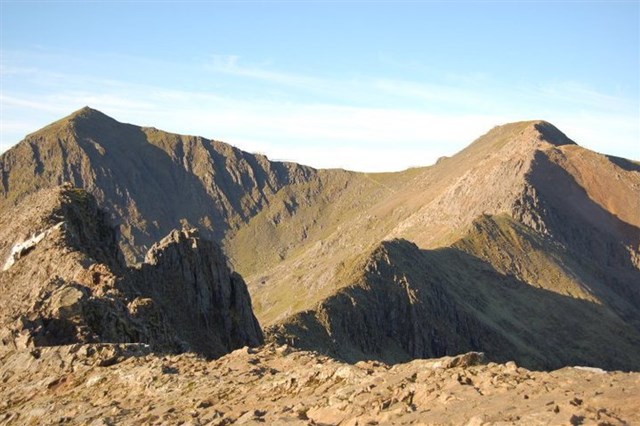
[580, 95]
[436, 93]
[16, 102]
[230, 64]
[370, 123]
[466, 91]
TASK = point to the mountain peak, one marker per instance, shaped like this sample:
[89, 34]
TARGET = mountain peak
[520, 135]
[539, 129]
[87, 113]
[551, 134]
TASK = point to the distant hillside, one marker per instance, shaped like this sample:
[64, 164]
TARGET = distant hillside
[527, 249]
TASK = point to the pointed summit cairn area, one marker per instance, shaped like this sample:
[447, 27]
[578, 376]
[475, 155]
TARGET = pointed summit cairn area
[137, 262]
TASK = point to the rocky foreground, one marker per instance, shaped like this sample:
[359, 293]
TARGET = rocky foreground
[126, 384]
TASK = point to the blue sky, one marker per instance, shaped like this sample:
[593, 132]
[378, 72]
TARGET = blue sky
[368, 86]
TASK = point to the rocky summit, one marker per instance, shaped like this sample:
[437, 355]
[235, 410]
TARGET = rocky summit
[154, 278]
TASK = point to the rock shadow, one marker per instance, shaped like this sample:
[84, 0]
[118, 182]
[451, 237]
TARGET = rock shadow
[623, 163]
[597, 243]
[136, 179]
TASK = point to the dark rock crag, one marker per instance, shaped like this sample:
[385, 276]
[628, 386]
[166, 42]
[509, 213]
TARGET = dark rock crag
[69, 284]
[207, 304]
[410, 303]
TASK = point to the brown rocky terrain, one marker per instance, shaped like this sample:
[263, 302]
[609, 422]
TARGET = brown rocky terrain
[68, 284]
[107, 385]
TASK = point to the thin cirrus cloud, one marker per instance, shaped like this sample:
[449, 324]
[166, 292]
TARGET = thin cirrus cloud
[230, 64]
[371, 123]
[363, 88]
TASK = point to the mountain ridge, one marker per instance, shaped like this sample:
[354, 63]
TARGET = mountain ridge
[112, 160]
[524, 200]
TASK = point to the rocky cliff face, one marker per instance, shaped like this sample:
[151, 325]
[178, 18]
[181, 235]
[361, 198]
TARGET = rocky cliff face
[64, 281]
[410, 303]
[398, 309]
[207, 304]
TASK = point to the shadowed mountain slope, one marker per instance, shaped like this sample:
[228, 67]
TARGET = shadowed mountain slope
[149, 181]
[406, 303]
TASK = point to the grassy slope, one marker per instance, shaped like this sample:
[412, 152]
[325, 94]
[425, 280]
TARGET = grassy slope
[290, 255]
[530, 293]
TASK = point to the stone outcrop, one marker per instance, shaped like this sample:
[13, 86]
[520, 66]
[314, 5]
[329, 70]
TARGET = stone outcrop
[68, 284]
[207, 304]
